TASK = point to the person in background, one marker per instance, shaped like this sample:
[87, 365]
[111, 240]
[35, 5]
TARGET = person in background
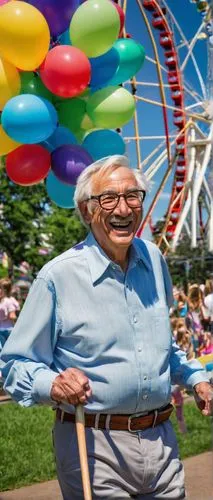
[8, 310]
[208, 301]
[183, 340]
[95, 330]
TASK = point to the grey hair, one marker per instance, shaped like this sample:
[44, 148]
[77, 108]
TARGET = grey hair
[83, 189]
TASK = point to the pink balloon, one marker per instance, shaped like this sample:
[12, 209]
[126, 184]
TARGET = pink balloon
[2, 2]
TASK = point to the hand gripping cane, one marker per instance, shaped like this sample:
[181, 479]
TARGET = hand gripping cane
[82, 447]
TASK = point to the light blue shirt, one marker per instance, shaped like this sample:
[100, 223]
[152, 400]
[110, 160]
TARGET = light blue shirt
[83, 311]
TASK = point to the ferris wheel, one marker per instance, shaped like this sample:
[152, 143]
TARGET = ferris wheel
[175, 105]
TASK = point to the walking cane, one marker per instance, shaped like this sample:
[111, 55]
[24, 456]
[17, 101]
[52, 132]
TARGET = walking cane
[82, 447]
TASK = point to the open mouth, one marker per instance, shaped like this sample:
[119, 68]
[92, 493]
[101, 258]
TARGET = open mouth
[120, 225]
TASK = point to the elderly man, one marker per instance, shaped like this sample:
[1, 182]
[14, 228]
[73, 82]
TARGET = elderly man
[95, 329]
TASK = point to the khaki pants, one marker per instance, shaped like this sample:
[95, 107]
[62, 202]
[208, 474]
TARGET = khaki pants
[122, 465]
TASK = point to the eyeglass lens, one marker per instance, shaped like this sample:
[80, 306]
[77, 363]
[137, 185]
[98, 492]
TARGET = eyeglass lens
[133, 199]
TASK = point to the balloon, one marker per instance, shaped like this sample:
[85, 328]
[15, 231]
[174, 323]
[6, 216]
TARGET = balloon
[101, 143]
[9, 82]
[64, 38]
[60, 137]
[60, 193]
[66, 71]
[111, 107]
[2, 2]
[24, 35]
[95, 27]
[132, 56]
[71, 113]
[57, 13]
[6, 143]
[28, 164]
[121, 16]
[29, 119]
[104, 67]
[69, 161]
[31, 84]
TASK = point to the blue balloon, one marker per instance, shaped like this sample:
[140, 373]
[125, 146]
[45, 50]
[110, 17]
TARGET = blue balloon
[60, 137]
[64, 38]
[101, 143]
[60, 193]
[29, 119]
[104, 68]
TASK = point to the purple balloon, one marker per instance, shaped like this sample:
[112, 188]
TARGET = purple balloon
[69, 161]
[58, 13]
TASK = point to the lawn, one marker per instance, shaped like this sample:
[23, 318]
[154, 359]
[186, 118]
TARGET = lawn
[26, 455]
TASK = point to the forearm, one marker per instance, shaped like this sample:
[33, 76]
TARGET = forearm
[185, 372]
[28, 382]
[27, 356]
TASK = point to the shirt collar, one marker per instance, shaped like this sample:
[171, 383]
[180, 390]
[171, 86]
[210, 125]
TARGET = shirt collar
[99, 262]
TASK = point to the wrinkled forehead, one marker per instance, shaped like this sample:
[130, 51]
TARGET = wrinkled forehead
[113, 179]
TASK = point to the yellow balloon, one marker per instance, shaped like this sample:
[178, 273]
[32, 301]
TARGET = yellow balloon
[6, 143]
[24, 35]
[10, 82]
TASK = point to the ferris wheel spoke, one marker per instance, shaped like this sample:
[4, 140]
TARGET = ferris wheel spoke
[190, 47]
[200, 78]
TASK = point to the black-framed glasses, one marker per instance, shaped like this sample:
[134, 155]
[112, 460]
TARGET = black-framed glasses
[109, 201]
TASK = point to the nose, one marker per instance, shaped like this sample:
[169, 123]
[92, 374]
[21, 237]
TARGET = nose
[122, 208]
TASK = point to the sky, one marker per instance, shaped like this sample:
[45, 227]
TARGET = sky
[150, 116]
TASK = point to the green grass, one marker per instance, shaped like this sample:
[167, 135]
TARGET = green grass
[26, 455]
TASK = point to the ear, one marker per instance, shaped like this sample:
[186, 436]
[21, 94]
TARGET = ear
[83, 208]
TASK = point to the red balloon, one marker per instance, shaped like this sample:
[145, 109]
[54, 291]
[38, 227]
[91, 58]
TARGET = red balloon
[66, 71]
[122, 18]
[28, 164]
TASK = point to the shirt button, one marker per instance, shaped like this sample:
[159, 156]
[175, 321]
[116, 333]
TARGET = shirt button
[145, 377]
[135, 319]
[139, 349]
[145, 396]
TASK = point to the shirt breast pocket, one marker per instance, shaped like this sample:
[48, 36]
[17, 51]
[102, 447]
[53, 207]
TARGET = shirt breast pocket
[162, 329]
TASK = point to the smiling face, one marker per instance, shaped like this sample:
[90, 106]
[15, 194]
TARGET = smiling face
[114, 229]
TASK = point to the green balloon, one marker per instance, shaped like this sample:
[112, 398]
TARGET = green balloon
[132, 56]
[71, 113]
[95, 27]
[111, 107]
[32, 84]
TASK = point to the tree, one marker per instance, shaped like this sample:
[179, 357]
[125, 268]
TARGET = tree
[26, 217]
[63, 228]
[190, 266]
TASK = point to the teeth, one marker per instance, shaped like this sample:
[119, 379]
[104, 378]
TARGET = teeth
[120, 223]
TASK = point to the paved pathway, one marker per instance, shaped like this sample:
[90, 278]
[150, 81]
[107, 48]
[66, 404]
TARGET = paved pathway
[199, 482]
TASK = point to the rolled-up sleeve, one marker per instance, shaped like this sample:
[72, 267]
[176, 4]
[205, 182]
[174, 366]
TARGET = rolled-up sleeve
[27, 357]
[185, 372]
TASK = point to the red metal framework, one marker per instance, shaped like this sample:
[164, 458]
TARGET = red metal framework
[166, 40]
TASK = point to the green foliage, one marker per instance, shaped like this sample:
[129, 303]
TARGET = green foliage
[26, 445]
[190, 265]
[64, 229]
[27, 217]
[3, 272]
[21, 215]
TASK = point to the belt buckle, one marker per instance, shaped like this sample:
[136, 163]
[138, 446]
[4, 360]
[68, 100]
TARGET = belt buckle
[135, 415]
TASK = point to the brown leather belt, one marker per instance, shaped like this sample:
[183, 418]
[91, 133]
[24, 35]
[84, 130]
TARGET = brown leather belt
[132, 423]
